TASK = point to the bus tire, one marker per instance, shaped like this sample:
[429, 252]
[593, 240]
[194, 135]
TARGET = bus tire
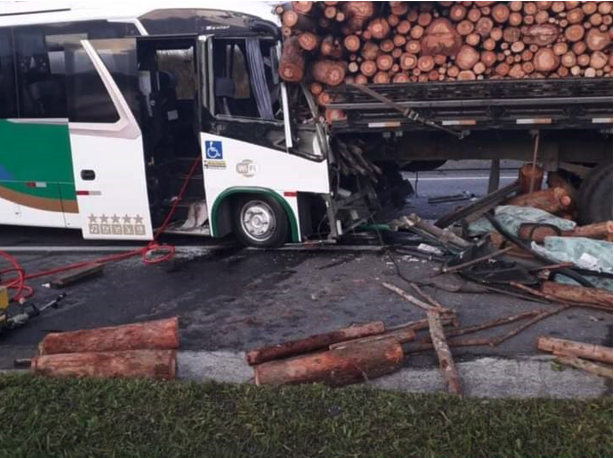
[595, 196]
[260, 221]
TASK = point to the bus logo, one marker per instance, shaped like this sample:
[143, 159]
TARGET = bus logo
[213, 150]
[247, 168]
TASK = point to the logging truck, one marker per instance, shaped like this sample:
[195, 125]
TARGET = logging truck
[109, 123]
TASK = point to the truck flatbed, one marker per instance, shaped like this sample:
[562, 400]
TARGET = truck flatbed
[569, 103]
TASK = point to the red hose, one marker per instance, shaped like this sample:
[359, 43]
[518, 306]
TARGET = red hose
[23, 291]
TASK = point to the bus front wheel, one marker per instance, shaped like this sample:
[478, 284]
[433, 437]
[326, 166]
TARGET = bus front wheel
[260, 221]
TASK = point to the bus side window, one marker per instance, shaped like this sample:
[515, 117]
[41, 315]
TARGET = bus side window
[8, 91]
[41, 68]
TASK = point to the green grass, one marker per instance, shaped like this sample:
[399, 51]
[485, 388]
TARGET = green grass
[81, 418]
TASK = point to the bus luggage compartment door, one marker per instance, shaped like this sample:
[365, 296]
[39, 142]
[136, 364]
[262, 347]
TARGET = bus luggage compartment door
[106, 141]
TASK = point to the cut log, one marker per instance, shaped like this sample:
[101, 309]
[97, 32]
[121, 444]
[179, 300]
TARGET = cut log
[574, 33]
[312, 343]
[334, 114]
[368, 68]
[426, 63]
[302, 7]
[530, 178]
[158, 335]
[474, 14]
[384, 62]
[408, 61]
[381, 77]
[484, 26]
[545, 60]
[441, 38]
[489, 58]
[349, 364]
[370, 51]
[329, 72]
[578, 349]
[579, 294]
[446, 362]
[309, 41]
[413, 47]
[552, 200]
[587, 366]
[458, 12]
[598, 60]
[292, 63]
[500, 13]
[465, 27]
[379, 28]
[151, 364]
[467, 57]
[352, 43]
[541, 34]
[596, 40]
[386, 46]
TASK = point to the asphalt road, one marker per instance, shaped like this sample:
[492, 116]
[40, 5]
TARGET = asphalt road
[236, 299]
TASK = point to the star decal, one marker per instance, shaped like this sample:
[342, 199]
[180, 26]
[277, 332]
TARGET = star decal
[104, 219]
[92, 219]
[138, 219]
[115, 219]
[127, 219]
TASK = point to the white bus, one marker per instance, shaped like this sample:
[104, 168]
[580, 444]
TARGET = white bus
[101, 118]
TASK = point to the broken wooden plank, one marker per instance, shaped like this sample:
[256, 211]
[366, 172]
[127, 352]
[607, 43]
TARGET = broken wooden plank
[446, 362]
[578, 349]
[76, 275]
[312, 343]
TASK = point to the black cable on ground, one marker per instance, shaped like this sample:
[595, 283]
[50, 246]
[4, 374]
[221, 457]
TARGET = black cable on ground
[512, 238]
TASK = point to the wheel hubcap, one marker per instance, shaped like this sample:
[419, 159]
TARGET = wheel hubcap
[258, 220]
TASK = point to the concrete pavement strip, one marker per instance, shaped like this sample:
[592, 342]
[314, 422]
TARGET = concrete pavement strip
[529, 377]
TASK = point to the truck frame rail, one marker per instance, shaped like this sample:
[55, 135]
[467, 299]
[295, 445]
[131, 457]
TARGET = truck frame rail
[566, 103]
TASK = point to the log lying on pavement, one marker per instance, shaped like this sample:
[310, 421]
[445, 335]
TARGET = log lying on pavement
[158, 335]
[152, 364]
[579, 294]
[352, 363]
[593, 368]
[313, 343]
[578, 349]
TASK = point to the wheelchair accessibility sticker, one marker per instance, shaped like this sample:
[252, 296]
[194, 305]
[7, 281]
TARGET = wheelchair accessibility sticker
[214, 155]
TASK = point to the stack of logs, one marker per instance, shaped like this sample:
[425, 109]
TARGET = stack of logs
[142, 350]
[328, 43]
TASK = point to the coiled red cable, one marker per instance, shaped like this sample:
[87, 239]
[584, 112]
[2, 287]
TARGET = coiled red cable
[21, 291]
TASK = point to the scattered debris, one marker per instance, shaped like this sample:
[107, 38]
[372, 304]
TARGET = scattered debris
[26, 313]
[453, 198]
[446, 362]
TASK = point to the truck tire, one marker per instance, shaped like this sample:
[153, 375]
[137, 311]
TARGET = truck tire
[260, 221]
[595, 196]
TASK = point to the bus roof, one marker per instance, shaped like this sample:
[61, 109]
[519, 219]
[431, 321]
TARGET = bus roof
[46, 12]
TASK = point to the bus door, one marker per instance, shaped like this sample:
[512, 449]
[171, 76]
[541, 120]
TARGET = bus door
[107, 146]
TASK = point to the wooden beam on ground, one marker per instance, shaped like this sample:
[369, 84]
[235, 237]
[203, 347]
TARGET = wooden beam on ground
[446, 362]
[593, 368]
[578, 349]
[76, 275]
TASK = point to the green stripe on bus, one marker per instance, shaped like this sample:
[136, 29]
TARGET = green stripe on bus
[269, 192]
[36, 153]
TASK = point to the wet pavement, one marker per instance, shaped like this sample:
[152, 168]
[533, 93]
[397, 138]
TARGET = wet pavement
[234, 299]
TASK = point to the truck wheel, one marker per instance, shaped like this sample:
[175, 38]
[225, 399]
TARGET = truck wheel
[595, 196]
[260, 221]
